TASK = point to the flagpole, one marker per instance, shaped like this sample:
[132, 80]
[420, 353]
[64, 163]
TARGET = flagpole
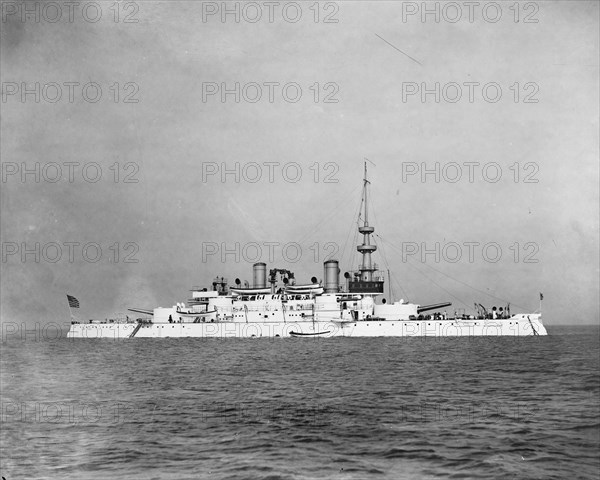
[70, 311]
[73, 317]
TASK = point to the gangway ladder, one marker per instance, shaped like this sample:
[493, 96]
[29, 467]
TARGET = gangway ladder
[532, 327]
[135, 330]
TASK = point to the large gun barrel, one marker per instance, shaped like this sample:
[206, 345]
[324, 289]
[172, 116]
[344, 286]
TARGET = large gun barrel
[434, 306]
[142, 310]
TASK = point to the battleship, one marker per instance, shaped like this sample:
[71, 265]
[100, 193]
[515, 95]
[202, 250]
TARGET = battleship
[353, 307]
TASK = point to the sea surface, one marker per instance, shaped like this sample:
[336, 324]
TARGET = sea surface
[338, 408]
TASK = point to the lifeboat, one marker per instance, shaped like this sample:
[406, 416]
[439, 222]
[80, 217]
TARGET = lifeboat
[250, 291]
[313, 288]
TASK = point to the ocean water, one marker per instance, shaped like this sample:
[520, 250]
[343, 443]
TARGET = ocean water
[303, 408]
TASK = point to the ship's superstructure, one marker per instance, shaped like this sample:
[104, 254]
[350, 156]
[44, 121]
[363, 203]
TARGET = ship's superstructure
[316, 309]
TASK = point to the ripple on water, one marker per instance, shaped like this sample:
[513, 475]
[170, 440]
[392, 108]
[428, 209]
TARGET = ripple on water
[327, 409]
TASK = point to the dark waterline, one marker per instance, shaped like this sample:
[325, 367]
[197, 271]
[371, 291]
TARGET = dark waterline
[393, 408]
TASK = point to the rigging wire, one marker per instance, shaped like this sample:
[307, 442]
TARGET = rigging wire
[395, 279]
[384, 257]
[328, 216]
[355, 230]
[387, 264]
[456, 280]
[428, 278]
[433, 281]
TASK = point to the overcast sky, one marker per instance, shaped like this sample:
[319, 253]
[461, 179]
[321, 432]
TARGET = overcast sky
[333, 92]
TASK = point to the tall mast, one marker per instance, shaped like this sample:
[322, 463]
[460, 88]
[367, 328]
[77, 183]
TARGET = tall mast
[365, 183]
[366, 267]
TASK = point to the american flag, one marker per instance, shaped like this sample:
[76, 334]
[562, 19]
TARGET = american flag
[73, 302]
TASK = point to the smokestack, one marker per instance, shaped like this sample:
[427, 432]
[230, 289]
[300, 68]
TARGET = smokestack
[259, 271]
[332, 280]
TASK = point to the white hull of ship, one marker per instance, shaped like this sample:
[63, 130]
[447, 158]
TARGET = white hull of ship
[525, 325]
